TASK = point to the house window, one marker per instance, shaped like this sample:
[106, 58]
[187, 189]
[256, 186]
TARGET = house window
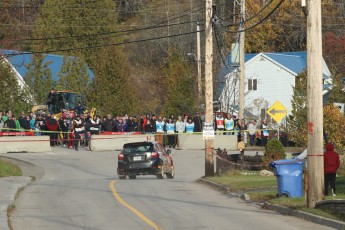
[252, 84]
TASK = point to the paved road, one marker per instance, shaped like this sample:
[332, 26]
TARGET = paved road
[78, 191]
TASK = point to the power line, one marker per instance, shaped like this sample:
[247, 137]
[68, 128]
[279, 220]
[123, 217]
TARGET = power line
[256, 24]
[104, 45]
[104, 33]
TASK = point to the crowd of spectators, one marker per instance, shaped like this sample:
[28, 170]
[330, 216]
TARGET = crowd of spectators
[83, 124]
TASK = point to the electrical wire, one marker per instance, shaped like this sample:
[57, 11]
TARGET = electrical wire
[256, 24]
[157, 25]
[121, 32]
[104, 45]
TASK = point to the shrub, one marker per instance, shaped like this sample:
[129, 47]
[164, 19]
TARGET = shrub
[274, 151]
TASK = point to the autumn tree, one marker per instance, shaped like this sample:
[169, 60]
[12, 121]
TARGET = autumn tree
[334, 125]
[39, 78]
[12, 96]
[333, 119]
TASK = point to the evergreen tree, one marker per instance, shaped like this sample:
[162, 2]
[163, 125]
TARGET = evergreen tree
[111, 91]
[86, 25]
[39, 78]
[297, 121]
[73, 76]
[78, 24]
[12, 96]
[181, 95]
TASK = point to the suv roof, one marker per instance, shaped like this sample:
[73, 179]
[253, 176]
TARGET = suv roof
[145, 143]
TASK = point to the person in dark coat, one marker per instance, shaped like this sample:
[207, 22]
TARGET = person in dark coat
[109, 124]
[153, 123]
[63, 126]
[10, 124]
[51, 101]
[26, 123]
[197, 123]
[331, 165]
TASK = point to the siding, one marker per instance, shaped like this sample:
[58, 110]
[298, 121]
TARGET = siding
[274, 83]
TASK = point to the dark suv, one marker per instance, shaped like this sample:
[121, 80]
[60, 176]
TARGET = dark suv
[145, 158]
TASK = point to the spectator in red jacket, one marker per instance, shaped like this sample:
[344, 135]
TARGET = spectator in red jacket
[331, 164]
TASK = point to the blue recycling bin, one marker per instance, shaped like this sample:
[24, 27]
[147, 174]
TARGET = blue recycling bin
[289, 175]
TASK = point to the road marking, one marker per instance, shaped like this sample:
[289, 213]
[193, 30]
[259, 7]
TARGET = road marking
[135, 211]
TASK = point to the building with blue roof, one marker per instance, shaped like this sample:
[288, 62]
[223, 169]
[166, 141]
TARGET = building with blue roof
[269, 77]
[20, 61]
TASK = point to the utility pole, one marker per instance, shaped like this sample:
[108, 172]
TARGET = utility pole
[209, 143]
[314, 104]
[242, 54]
[198, 54]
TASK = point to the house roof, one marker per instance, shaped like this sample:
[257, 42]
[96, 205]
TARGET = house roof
[295, 62]
[21, 60]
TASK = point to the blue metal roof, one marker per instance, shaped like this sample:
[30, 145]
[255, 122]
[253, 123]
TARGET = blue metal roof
[294, 61]
[21, 60]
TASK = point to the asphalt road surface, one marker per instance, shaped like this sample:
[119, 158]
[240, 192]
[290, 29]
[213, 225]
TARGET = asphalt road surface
[81, 190]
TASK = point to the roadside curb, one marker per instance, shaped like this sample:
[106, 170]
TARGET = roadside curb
[9, 189]
[283, 210]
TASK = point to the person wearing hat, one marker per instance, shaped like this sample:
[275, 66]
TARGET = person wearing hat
[331, 165]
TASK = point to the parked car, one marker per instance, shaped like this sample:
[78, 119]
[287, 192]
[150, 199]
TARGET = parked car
[145, 158]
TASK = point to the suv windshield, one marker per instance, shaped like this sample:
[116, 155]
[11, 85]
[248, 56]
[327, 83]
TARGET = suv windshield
[138, 147]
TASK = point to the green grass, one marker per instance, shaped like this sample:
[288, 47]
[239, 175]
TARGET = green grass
[238, 182]
[9, 169]
[266, 192]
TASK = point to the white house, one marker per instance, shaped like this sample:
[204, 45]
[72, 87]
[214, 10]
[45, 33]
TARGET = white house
[269, 77]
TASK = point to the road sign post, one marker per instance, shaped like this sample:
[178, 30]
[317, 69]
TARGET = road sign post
[208, 130]
[277, 111]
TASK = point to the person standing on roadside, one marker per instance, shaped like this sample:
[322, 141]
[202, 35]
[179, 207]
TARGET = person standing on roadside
[197, 123]
[1, 122]
[78, 128]
[160, 129]
[51, 100]
[252, 132]
[170, 129]
[264, 132]
[219, 123]
[331, 165]
[190, 126]
[229, 125]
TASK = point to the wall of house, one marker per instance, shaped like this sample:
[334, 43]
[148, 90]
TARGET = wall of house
[273, 83]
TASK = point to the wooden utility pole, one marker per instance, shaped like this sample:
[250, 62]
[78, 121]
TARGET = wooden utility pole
[314, 104]
[242, 55]
[209, 143]
[198, 54]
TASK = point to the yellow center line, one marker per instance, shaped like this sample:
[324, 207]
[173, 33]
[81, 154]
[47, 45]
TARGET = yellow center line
[134, 210]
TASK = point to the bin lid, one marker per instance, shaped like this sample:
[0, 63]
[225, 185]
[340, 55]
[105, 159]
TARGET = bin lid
[287, 162]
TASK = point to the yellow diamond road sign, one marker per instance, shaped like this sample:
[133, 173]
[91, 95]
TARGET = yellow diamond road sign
[277, 111]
